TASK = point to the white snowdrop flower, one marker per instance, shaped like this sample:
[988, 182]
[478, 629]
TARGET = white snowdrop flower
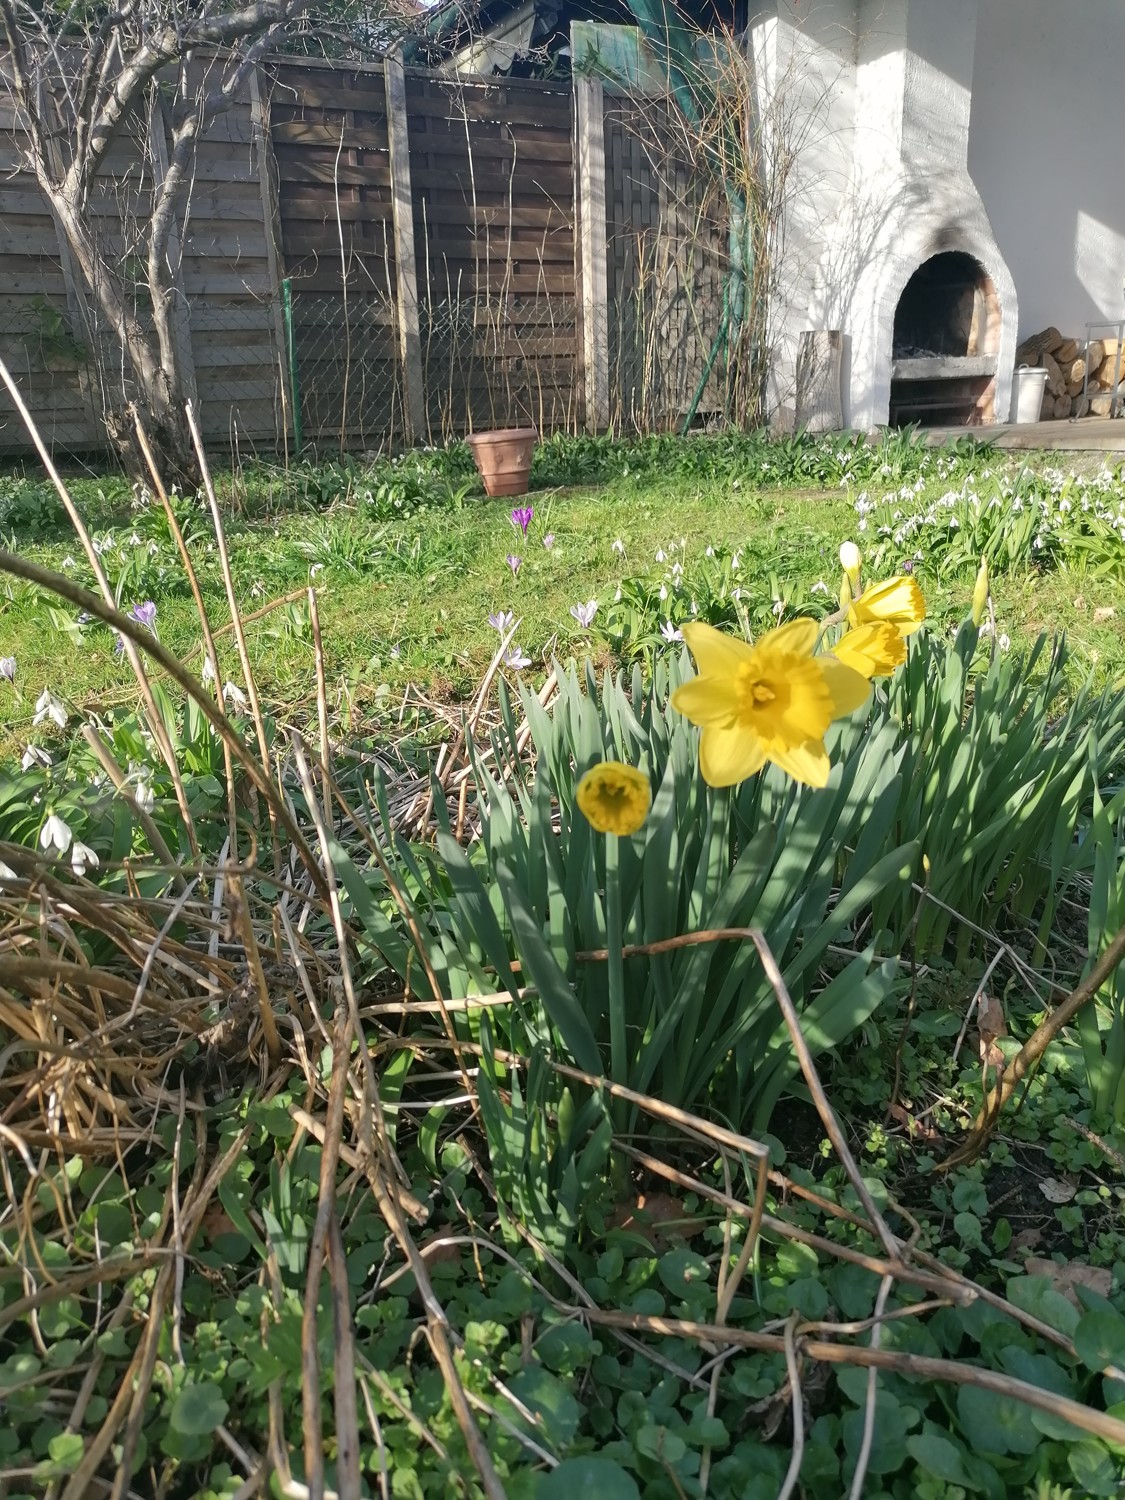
[34, 756]
[736, 595]
[143, 795]
[7, 873]
[710, 552]
[55, 834]
[819, 587]
[617, 597]
[82, 855]
[232, 693]
[661, 555]
[49, 707]
[619, 546]
[134, 540]
[315, 569]
[663, 591]
[1004, 641]
[778, 608]
[208, 672]
[68, 562]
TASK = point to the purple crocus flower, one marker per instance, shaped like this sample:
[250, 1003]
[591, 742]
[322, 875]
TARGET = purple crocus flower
[144, 614]
[549, 541]
[515, 563]
[521, 517]
[502, 620]
[516, 658]
[670, 633]
[584, 613]
[8, 668]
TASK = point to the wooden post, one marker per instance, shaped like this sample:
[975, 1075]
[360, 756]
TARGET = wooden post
[589, 106]
[406, 271]
[181, 312]
[271, 218]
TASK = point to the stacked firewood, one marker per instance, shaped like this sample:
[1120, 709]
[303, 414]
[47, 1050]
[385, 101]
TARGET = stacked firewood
[1067, 362]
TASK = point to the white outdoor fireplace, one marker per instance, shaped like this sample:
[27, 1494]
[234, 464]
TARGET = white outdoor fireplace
[886, 237]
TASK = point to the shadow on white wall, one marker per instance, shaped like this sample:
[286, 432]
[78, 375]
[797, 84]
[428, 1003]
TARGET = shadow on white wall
[1099, 262]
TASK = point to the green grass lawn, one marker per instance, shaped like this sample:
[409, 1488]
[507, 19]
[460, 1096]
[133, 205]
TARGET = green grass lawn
[406, 602]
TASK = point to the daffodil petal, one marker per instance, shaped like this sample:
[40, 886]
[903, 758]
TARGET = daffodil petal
[872, 650]
[798, 636]
[808, 762]
[898, 601]
[849, 689]
[716, 654]
[728, 756]
[706, 700]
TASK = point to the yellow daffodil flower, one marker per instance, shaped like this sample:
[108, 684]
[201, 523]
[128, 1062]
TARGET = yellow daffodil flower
[872, 650]
[980, 593]
[772, 701]
[896, 602]
[614, 797]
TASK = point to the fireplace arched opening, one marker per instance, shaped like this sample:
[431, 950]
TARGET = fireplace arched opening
[945, 342]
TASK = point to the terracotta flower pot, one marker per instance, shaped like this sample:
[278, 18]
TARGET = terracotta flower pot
[503, 459]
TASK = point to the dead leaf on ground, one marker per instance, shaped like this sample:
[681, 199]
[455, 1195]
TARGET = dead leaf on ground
[1055, 1190]
[1074, 1273]
[916, 1129]
[991, 1024]
[1027, 1239]
[658, 1218]
[1104, 612]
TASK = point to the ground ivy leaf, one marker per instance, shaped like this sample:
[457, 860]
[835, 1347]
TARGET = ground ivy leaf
[1092, 1469]
[588, 1479]
[681, 1270]
[995, 1424]
[1036, 1295]
[198, 1409]
[548, 1399]
[660, 1444]
[939, 1457]
[1099, 1339]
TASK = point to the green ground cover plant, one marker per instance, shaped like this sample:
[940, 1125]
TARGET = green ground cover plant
[519, 1095]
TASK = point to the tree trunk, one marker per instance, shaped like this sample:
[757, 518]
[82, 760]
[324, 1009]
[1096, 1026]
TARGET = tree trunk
[157, 396]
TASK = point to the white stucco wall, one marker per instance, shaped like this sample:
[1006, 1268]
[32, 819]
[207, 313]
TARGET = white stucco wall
[1047, 152]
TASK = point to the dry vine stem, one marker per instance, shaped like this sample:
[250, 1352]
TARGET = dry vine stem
[381, 1179]
[1033, 1049]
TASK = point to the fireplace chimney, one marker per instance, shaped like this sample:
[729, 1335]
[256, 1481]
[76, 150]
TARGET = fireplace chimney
[884, 97]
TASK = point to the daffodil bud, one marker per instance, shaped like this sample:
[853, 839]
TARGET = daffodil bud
[851, 560]
[980, 593]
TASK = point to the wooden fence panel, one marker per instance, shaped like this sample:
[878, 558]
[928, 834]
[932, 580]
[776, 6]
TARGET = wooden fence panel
[329, 129]
[295, 180]
[492, 169]
[666, 255]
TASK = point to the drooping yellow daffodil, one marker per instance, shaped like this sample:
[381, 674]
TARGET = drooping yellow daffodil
[772, 701]
[872, 650]
[980, 593]
[897, 602]
[614, 797]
